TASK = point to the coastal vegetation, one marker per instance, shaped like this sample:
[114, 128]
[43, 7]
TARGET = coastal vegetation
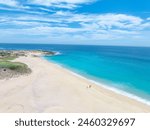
[47, 52]
[16, 66]
[7, 55]
[9, 68]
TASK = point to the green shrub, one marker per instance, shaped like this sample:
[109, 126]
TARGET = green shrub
[15, 66]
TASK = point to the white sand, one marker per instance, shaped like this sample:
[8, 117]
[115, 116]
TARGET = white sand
[50, 88]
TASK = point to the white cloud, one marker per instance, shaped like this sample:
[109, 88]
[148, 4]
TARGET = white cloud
[119, 20]
[60, 26]
[60, 3]
[148, 18]
[49, 2]
[9, 2]
[107, 21]
[88, 22]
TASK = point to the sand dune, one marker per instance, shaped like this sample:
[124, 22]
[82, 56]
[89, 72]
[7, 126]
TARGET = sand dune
[50, 88]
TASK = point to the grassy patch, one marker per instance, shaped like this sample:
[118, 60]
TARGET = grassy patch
[7, 56]
[15, 66]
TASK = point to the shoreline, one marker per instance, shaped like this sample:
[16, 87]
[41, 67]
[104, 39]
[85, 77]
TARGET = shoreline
[52, 88]
[102, 85]
[105, 86]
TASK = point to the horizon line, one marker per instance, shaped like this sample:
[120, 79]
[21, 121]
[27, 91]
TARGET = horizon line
[74, 44]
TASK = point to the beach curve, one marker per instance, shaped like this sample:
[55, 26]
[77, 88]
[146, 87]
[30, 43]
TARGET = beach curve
[50, 88]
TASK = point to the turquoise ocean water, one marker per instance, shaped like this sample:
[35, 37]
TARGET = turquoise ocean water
[126, 69]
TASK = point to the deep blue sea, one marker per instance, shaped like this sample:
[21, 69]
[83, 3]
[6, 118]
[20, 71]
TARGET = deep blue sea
[124, 68]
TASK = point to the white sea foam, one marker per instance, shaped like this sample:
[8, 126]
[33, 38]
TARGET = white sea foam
[112, 88]
[57, 53]
[108, 87]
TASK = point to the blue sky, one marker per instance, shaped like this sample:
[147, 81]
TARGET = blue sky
[102, 22]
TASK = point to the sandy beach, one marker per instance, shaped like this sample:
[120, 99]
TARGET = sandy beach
[51, 88]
